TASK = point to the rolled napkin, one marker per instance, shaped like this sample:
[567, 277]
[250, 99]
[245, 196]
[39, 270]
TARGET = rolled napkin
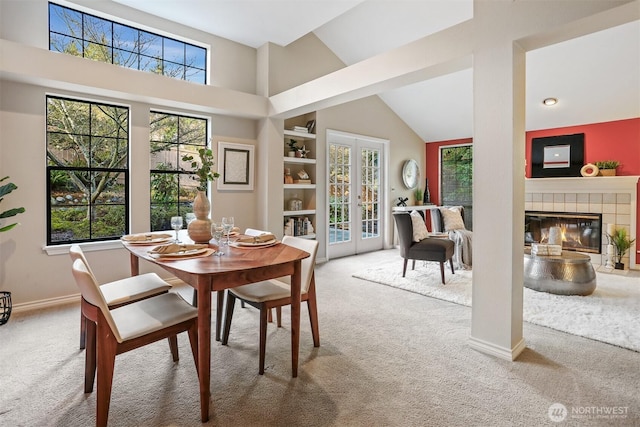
[144, 237]
[175, 248]
[263, 238]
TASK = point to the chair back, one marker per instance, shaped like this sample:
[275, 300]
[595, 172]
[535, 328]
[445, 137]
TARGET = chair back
[308, 264]
[75, 252]
[91, 292]
[405, 231]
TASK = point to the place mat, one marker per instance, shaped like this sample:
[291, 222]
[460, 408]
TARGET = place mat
[254, 245]
[146, 238]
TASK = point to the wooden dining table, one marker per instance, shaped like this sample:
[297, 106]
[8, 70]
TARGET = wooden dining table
[238, 266]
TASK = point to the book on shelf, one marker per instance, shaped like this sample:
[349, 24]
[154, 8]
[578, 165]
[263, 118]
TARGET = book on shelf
[302, 129]
[302, 181]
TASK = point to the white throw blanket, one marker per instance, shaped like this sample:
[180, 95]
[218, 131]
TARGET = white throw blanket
[462, 255]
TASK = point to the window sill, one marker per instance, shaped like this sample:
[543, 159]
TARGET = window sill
[87, 247]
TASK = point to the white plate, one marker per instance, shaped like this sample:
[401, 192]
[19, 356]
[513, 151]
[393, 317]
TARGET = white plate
[189, 253]
[253, 244]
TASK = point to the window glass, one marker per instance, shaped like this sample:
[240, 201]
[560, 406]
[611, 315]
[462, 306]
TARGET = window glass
[81, 34]
[87, 171]
[456, 179]
[173, 187]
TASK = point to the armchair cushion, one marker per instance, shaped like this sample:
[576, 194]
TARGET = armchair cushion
[452, 219]
[420, 231]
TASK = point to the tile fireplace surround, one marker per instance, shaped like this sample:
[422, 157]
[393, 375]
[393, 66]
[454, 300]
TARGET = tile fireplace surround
[615, 197]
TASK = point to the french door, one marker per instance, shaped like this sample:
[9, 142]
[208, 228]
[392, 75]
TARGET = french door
[355, 202]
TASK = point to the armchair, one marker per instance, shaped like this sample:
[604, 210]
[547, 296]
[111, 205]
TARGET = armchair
[428, 249]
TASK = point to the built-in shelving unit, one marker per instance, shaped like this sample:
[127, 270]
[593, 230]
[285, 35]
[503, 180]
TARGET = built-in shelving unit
[299, 210]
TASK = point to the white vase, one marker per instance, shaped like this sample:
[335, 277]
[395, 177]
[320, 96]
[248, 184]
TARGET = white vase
[199, 229]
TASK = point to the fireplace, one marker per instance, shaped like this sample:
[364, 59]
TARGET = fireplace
[581, 232]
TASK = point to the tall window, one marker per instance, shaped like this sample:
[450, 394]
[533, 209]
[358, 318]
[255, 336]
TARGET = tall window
[87, 171]
[456, 178]
[81, 34]
[172, 188]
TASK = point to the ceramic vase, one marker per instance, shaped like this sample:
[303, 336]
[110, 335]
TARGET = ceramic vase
[199, 229]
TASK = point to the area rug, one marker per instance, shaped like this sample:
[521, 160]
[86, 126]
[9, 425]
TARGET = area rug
[611, 314]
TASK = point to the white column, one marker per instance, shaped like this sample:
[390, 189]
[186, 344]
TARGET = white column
[498, 180]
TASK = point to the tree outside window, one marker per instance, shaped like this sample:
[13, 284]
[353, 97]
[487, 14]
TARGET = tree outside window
[456, 179]
[87, 171]
[172, 187]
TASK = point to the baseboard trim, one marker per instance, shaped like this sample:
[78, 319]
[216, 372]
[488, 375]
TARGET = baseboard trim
[46, 303]
[510, 354]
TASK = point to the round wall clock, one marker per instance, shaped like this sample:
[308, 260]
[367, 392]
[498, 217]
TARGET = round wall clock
[410, 174]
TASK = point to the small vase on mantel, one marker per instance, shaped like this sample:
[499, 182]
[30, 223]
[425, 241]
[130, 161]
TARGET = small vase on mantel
[199, 229]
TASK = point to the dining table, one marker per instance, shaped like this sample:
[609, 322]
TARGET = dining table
[238, 266]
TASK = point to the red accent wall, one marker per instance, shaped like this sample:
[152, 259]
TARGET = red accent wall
[618, 140]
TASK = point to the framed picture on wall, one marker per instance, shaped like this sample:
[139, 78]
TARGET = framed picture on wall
[557, 156]
[236, 166]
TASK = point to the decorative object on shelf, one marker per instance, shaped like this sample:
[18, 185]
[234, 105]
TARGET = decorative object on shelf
[607, 167]
[199, 229]
[426, 199]
[303, 178]
[410, 174]
[5, 296]
[622, 243]
[402, 201]
[292, 147]
[288, 179]
[311, 126]
[308, 227]
[303, 152]
[589, 170]
[288, 228]
[417, 194]
[295, 204]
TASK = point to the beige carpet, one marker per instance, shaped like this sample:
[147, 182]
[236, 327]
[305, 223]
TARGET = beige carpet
[387, 358]
[610, 314]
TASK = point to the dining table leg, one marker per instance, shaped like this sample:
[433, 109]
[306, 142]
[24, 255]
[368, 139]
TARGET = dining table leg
[204, 344]
[219, 308]
[295, 315]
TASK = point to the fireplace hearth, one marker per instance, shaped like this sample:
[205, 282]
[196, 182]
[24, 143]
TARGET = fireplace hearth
[581, 232]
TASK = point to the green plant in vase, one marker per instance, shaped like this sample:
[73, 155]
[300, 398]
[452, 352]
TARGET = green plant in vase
[199, 229]
[621, 241]
[417, 194]
[607, 167]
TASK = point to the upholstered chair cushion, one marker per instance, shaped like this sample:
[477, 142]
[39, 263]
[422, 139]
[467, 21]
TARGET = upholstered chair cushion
[420, 231]
[133, 288]
[150, 315]
[452, 219]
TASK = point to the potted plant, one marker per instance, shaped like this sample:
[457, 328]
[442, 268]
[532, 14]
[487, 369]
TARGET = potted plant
[292, 148]
[5, 297]
[417, 193]
[199, 229]
[607, 167]
[621, 241]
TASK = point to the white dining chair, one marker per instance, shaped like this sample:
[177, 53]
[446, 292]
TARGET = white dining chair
[115, 331]
[122, 292]
[277, 293]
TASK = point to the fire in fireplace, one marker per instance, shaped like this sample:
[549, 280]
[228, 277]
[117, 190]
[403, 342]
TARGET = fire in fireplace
[581, 232]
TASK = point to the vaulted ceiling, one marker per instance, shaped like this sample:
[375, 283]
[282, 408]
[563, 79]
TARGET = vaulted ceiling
[596, 78]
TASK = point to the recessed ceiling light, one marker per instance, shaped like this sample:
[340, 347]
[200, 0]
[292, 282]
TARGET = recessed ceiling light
[550, 101]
